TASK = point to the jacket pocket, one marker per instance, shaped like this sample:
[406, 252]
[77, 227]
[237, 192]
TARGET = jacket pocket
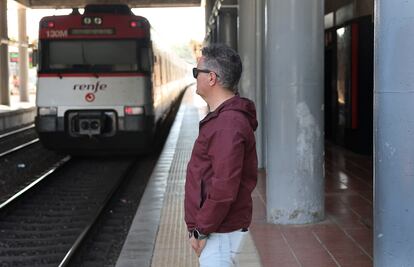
[202, 188]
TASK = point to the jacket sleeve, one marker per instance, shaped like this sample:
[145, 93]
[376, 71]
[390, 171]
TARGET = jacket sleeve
[226, 152]
[189, 210]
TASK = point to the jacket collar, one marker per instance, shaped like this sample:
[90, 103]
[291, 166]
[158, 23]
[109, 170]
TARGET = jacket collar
[216, 112]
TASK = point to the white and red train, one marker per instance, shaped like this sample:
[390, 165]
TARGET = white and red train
[103, 81]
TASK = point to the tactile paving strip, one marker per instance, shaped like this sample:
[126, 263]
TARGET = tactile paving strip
[172, 247]
[139, 245]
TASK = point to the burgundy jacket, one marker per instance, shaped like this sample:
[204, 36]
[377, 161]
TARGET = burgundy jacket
[222, 171]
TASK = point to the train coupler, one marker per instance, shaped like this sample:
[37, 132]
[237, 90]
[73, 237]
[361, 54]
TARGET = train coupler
[91, 123]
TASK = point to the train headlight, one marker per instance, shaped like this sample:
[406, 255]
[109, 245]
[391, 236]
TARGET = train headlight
[129, 110]
[87, 20]
[47, 111]
[97, 20]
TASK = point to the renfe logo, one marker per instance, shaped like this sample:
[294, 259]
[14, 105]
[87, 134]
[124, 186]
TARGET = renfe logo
[90, 97]
[90, 87]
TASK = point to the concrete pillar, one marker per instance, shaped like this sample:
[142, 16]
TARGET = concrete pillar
[294, 105]
[247, 47]
[23, 55]
[214, 36]
[4, 55]
[260, 84]
[211, 21]
[227, 24]
[393, 133]
[208, 10]
[250, 32]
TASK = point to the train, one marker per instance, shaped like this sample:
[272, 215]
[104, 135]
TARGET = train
[106, 81]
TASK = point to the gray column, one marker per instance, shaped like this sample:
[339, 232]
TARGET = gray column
[260, 84]
[23, 55]
[250, 30]
[247, 47]
[211, 21]
[294, 111]
[227, 24]
[4, 55]
[214, 33]
[208, 10]
[393, 133]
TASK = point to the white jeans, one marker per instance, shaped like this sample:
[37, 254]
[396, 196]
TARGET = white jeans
[222, 249]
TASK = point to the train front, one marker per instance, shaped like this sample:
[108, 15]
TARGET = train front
[94, 81]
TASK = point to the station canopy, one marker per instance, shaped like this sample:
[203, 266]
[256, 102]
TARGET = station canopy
[131, 3]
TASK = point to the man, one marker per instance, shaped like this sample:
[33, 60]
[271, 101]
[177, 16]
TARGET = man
[222, 171]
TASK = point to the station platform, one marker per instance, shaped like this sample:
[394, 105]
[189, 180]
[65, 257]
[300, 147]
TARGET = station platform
[18, 113]
[158, 236]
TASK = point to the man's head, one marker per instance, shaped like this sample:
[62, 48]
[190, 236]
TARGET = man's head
[222, 65]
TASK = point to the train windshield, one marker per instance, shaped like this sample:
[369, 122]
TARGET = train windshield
[95, 56]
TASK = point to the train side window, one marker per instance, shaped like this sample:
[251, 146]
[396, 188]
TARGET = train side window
[146, 59]
[157, 70]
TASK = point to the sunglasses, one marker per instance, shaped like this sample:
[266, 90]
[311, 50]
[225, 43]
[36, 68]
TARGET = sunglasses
[197, 71]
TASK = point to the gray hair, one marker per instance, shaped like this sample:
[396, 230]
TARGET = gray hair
[225, 62]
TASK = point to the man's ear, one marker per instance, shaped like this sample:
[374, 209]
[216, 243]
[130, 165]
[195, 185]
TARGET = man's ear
[212, 78]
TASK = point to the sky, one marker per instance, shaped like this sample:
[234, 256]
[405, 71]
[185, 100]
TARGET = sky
[178, 25]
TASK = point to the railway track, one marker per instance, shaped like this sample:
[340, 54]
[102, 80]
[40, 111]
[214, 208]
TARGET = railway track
[23, 162]
[45, 225]
[19, 147]
[16, 140]
[42, 177]
[10, 133]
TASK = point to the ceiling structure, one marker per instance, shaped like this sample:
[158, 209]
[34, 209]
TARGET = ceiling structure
[131, 3]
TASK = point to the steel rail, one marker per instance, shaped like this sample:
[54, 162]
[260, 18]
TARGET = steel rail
[35, 182]
[14, 149]
[85, 231]
[31, 126]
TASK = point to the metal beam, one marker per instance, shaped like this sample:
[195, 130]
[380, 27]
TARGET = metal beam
[131, 3]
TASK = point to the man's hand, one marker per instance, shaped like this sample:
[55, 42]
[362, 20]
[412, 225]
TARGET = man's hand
[197, 245]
